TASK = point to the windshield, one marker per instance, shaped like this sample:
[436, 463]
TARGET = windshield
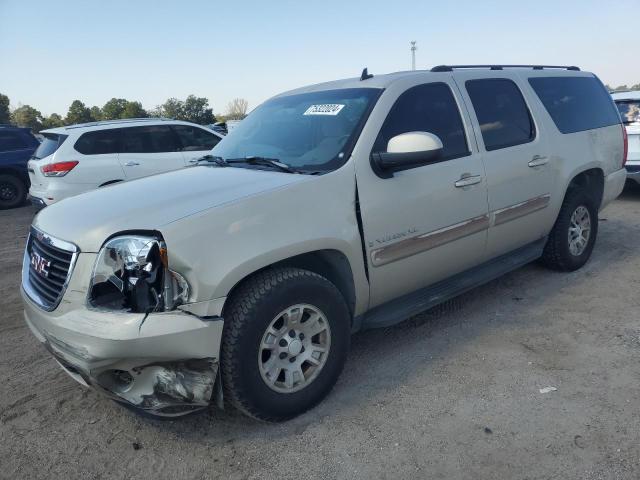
[629, 110]
[309, 132]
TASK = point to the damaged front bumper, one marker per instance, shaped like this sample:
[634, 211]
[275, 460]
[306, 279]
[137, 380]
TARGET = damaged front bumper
[163, 363]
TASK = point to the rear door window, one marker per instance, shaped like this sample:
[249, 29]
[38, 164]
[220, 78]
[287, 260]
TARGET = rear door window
[149, 139]
[576, 103]
[49, 145]
[503, 115]
[194, 139]
[99, 142]
[426, 108]
[629, 111]
[10, 141]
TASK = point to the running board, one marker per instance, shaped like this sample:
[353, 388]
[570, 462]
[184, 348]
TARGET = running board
[400, 309]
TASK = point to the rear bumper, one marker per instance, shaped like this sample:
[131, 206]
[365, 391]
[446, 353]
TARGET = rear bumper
[37, 202]
[613, 185]
[633, 171]
[163, 363]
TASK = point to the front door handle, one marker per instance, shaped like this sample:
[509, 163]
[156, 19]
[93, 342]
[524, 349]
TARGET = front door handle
[538, 161]
[131, 164]
[468, 180]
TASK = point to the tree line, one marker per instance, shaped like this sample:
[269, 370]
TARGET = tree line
[622, 88]
[192, 109]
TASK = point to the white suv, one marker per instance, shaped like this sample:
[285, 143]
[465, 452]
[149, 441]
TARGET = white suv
[330, 209]
[78, 158]
[629, 106]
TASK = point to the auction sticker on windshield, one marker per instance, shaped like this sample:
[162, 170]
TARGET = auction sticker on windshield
[325, 109]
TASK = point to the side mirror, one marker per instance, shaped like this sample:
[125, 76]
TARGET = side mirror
[407, 150]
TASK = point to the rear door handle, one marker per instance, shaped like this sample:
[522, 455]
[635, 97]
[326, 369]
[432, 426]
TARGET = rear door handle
[538, 161]
[131, 164]
[468, 180]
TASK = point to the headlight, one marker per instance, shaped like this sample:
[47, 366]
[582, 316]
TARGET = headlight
[131, 274]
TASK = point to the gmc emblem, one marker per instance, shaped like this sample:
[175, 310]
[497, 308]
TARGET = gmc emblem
[40, 265]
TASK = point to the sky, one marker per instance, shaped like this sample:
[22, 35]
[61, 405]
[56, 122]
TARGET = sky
[52, 53]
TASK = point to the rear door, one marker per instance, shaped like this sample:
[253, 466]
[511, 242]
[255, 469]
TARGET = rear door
[516, 158]
[149, 149]
[426, 223]
[195, 141]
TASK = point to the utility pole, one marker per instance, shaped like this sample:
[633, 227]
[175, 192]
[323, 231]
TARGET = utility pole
[413, 55]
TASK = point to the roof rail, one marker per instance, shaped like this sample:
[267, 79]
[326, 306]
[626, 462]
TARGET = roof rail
[450, 68]
[117, 121]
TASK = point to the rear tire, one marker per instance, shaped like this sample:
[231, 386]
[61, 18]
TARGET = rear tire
[263, 343]
[573, 236]
[13, 191]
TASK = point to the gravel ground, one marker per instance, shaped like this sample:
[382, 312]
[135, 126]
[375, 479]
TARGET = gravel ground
[452, 393]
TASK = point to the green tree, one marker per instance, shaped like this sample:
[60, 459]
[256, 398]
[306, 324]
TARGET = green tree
[134, 110]
[196, 111]
[78, 113]
[114, 108]
[96, 113]
[5, 113]
[27, 116]
[172, 108]
[52, 121]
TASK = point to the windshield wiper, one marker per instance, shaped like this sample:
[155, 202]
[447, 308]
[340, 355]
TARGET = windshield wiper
[264, 161]
[219, 161]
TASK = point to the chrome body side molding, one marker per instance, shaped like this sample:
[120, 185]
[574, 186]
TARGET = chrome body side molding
[427, 241]
[518, 210]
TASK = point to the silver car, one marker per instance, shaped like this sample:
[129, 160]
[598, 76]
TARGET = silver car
[330, 209]
[628, 104]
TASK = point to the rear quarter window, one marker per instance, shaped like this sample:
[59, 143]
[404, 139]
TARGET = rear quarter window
[576, 103]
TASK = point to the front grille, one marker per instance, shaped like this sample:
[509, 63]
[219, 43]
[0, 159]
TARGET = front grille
[46, 268]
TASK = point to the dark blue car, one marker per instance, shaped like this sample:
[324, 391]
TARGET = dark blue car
[16, 147]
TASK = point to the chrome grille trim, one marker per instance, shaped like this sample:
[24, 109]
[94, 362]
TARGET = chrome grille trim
[47, 291]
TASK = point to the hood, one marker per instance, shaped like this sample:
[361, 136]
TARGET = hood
[87, 220]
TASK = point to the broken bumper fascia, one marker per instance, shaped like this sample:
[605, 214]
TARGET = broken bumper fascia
[164, 364]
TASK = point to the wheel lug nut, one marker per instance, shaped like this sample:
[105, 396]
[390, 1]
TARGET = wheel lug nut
[301, 336]
[292, 333]
[283, 356]
[292, 359]
[283, 343]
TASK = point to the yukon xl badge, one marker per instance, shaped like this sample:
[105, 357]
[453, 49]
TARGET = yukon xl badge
[40, 265]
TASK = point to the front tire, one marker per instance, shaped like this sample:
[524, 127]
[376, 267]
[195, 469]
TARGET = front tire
[573, 236]
[13, 192]
[285, 342]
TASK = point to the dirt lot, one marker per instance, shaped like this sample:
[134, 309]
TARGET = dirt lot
[452, 393]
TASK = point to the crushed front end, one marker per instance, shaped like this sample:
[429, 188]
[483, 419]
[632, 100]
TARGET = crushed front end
[111, 321]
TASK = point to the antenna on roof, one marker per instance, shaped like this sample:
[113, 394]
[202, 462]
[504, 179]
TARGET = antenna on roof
[365, 75]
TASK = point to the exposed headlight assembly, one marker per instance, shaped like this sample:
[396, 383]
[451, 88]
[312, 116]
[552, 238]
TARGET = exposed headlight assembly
[132, 275]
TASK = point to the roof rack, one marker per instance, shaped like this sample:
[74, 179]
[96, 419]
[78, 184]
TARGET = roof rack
[117, 121]
[450, 68]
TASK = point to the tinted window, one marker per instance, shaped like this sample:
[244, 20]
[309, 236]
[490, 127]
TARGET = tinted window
[99, 142]
[629, 110]
[426, 108]
[192, 138]
[149, 139]
[503, 115]
[49, 145]
[576, 103]
[11, 141]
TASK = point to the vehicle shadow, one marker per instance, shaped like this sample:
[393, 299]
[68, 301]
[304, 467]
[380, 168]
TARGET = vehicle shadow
[385, 360]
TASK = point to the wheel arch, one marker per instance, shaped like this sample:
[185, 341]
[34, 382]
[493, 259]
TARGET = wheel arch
[110, 182]
[329, 263]
[591, 180]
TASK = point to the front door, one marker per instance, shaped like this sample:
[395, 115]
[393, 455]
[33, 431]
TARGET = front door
[422, 224]
[148, 150]
[516, 158]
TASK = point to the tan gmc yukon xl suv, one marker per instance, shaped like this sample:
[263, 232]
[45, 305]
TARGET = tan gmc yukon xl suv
[333, 208]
